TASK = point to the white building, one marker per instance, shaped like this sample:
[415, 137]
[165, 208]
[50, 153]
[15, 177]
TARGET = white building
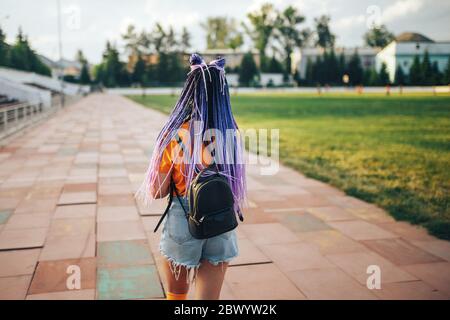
[405, 47]
[366, 54]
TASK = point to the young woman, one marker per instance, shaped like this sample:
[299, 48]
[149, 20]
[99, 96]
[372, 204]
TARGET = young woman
[196, 135]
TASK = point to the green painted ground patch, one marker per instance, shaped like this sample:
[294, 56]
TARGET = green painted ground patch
[123, 253]
[4, 216]
[135, 282]
[390, 150]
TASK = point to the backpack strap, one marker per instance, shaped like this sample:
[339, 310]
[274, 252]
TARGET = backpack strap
[172, 186]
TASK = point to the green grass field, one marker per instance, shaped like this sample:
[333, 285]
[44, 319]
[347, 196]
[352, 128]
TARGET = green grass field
[393, 151]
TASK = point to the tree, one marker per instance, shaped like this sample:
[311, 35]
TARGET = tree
[309, 72]
[415, 72]
[274, 66]
[324, 37]
[446, 76]
[236, 41]
[248, 71]
[131, 39]
[426, 70]
[371, 77]
[400, 78]
[4, 50]
[342, 67]
[169, 69]
[260, 28]
[355, 70]
[185, 41]
[171, 40]
[331, 65]
[218, 31]
[383, 75]
[159, 38]
[138, 75]
[112, 72]
[84, 77]
[23, 57]
[288, 34]
[378, 37]
[436, 74]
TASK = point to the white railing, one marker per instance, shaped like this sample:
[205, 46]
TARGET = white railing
[16, 117]
[22, 92]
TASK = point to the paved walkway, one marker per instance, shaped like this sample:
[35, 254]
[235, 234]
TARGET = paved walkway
[66, 200]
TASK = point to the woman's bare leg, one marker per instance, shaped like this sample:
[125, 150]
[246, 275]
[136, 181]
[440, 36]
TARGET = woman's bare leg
[209, 280]
[179, 286]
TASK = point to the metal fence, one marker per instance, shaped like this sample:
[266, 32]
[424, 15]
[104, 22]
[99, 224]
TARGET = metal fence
[16, 117]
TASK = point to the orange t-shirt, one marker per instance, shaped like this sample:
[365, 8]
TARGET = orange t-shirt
[166, 161]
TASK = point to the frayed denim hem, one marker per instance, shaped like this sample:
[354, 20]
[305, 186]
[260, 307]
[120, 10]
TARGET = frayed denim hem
[175, 268]
[215, 263]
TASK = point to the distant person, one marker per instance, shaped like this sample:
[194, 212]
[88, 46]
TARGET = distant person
[204, 104]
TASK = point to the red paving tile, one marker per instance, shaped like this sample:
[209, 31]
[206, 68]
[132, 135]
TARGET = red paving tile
[75, 211]
[361, 230]
[355, 264]
[77, 197]
[22, 238]
[407, 231]
[69, 247]
[88, 294]
[51, 276]
[71, 227]
[18, 262]
[296, 256]
[331, 241]
[400, 252]
[24, 221]
[14, 288]
[249, 254]
[439, 248]
[261, 281]
[120, 230]
[410, 290]
[268, 233]
[330, 283]
[331, 213]
[436, 275]
[117, 213]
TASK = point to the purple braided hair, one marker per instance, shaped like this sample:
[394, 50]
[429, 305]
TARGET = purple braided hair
[207, 103]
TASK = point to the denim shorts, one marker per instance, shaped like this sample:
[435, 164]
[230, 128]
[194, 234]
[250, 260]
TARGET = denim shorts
[181, 249]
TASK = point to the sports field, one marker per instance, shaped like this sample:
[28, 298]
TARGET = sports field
[390, 150]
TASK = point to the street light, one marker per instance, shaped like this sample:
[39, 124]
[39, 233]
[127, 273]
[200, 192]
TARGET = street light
[58, 2]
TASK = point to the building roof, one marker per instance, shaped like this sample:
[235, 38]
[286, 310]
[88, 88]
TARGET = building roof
[226, 51]
[362, 51]
[64, 63]
[412, 37]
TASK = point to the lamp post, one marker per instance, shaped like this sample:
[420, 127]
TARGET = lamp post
[58, 2]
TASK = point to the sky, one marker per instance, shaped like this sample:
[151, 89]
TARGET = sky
[88, 24]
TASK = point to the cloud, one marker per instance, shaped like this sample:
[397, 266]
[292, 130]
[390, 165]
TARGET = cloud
[349, 22]
[400, 9]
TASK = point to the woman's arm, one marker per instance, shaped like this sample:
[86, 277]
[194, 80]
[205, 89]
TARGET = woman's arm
[160, 188]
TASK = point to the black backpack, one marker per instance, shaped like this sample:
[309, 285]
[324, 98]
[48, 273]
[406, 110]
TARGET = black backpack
[211, 204]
